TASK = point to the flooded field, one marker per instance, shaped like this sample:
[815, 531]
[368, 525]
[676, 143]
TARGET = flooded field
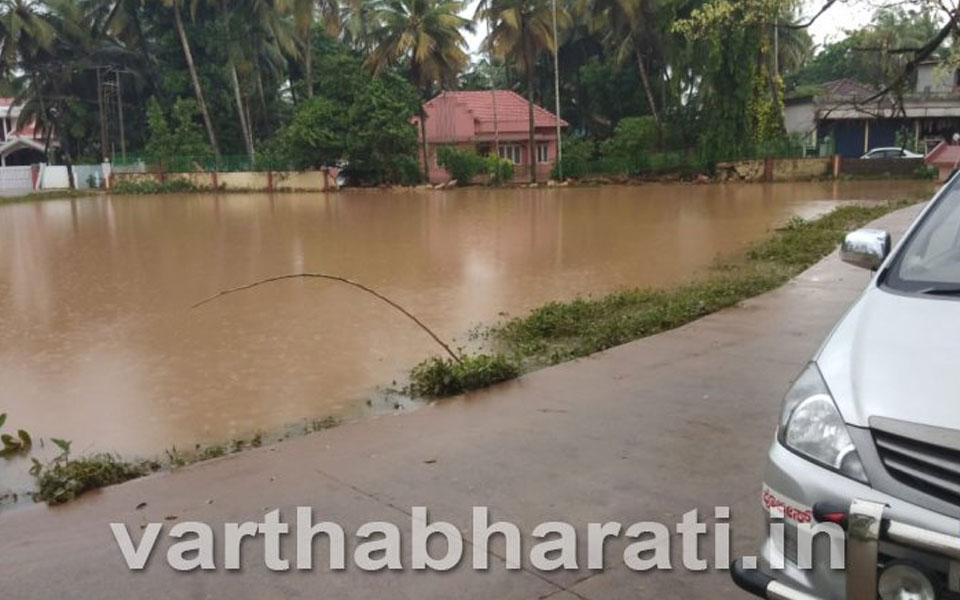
[99, 343]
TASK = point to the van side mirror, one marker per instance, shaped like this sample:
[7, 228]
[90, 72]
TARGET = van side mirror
[866, 248]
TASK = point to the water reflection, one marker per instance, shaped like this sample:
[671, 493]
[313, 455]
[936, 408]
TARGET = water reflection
[98, 342]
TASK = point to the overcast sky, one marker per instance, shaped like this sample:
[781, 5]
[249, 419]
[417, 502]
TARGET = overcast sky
[846, 14]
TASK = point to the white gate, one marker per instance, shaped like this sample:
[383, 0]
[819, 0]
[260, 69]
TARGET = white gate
[53, 177]
[15, 180]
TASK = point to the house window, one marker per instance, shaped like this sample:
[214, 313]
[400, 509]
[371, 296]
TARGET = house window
[512, 152]
[543, 153]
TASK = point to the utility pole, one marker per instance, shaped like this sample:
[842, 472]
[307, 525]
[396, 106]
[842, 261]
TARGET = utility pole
[123, 137]
[776, 44]
[556, 90]
[103, 123]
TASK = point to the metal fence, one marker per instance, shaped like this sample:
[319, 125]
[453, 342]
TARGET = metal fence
[227, 163]
[87, 176]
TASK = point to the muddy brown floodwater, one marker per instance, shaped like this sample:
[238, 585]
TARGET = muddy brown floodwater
[99, 343]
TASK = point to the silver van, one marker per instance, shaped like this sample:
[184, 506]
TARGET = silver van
[869, 433]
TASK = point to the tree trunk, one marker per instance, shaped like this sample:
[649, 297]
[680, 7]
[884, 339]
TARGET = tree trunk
[246, 110]
[308, 63]
[265, 127]
[244, 126]
[642, 68]
[533, 149]
[197, 90]
[775, 98]
[423, 137]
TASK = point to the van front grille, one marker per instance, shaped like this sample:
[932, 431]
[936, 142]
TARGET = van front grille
[928, 468]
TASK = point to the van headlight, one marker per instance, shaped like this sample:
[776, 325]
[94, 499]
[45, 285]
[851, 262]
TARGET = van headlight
[811, 426]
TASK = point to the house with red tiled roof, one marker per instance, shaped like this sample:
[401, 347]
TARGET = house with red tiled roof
[491, 121]
[22, 143]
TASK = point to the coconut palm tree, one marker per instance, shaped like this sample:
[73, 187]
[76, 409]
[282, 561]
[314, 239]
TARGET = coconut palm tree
[231, 21]
[425, 38]
[63, 73]
[357, 22]
[26, 35]
[303, 18]
[305, 14]
[520, 31]
[627, 31]
[178, 6]
[257, 34]
[272, 43]
[122, 20]
[23, 29]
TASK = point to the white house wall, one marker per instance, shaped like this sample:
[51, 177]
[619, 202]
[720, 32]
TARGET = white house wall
[935, 79]
[800, 118]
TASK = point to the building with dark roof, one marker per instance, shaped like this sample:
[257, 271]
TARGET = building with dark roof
[849, 118]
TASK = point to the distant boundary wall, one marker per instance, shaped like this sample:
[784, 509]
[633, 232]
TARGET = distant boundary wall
[799, 169]
[322, 180]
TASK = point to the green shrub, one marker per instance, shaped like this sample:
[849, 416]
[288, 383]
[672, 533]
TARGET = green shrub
[63, 479]
[462, 165]
[499, 169]
[578, 154]
[438, 377]
[352, 119]
[926, 172]
[784, 146]
[405, 169]
[314, 136]
[632, 141]
[150, 186]
[183, 138]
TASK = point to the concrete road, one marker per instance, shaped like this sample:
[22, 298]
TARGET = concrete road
[644, 432]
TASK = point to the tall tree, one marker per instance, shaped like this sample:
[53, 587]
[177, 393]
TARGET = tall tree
[178, 6]
[520, 31]
[423, 37]
[305, 14]
[357, 23]
[627, 31]
[303, 18]
[23, 30]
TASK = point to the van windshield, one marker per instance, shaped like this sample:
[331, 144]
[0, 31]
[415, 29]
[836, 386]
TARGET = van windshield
[929, 262]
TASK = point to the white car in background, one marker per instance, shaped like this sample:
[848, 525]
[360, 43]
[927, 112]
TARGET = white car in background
[891, 153]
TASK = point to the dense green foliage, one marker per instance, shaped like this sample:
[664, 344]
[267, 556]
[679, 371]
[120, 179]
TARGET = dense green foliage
[578, 158]
[184, 139]
[151, 186]
[358, 120]
[315, 136]
[632, 142]
[499, 169]
[872, 55]
[462, 165]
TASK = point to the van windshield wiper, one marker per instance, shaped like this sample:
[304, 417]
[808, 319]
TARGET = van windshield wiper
[942, 291]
